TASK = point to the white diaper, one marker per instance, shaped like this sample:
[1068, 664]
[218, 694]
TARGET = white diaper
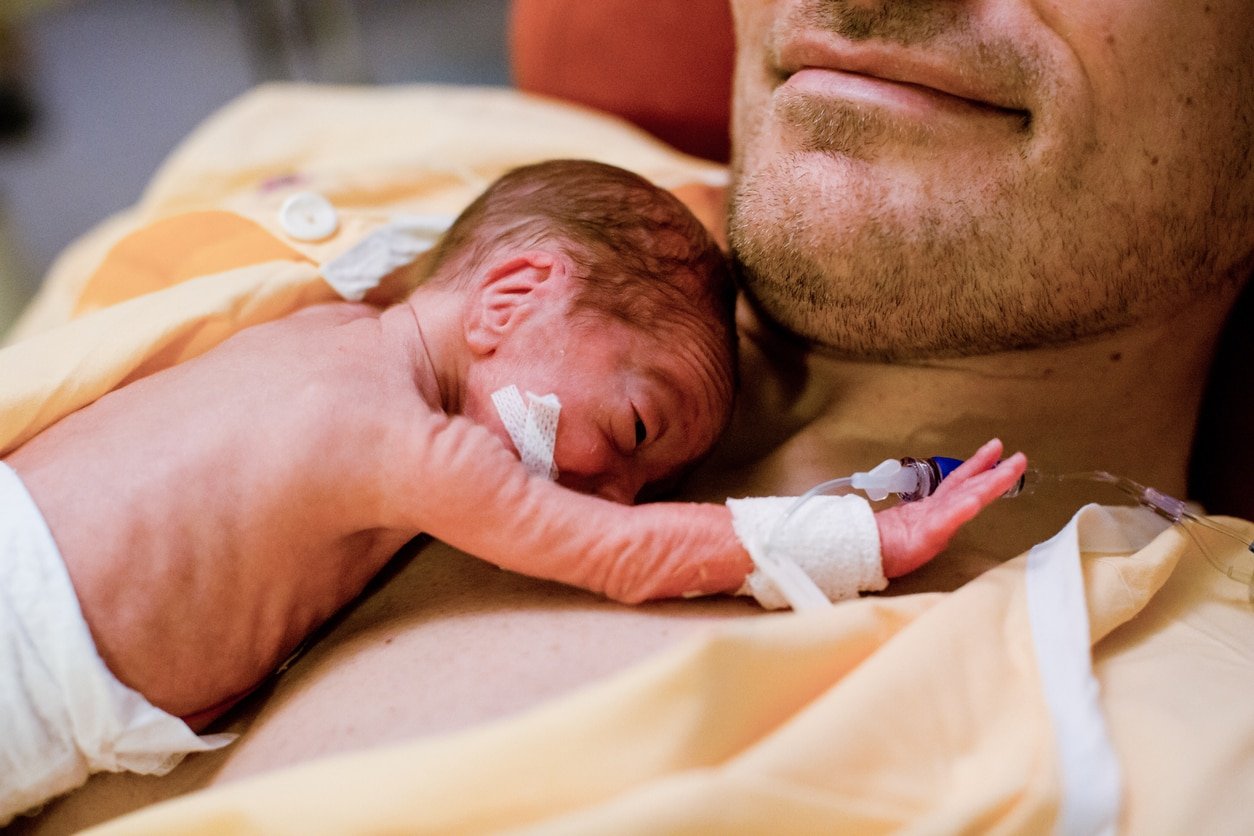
[828, 550]
[63, 715]
[532, 427]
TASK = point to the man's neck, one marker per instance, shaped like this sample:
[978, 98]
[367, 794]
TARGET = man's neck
[1125, 403]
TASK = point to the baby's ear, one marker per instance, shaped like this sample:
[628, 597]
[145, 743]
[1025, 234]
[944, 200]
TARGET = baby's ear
[504, 294]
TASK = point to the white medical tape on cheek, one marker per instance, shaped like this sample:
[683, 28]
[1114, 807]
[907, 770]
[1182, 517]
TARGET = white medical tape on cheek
[532, 427]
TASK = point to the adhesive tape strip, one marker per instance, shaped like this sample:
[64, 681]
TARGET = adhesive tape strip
[532, 426]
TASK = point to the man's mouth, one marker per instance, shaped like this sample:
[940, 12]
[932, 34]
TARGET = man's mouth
[915, 85]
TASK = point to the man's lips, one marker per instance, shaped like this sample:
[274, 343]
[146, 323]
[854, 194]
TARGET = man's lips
[893, 77]
[905, 97]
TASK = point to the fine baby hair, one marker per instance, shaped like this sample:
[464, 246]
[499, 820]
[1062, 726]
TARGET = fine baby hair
[642, 257]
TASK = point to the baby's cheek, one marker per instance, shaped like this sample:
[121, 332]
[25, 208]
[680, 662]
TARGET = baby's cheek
[580, 451]
[590, 465]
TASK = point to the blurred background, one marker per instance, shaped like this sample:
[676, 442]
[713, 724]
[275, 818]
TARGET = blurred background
[95, 93]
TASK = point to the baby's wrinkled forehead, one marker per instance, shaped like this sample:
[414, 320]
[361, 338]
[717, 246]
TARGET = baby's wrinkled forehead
[682, 336]
[698, 364]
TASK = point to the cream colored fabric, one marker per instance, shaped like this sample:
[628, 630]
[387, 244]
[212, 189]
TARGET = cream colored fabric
[921, 714]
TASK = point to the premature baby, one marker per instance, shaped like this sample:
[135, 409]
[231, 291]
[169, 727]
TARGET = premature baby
[258, 460]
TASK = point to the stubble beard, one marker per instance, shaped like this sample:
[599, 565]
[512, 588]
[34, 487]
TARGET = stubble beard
[846, 239]
[837, 251]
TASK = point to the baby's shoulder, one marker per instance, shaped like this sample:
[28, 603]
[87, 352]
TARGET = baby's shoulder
[308, 330]
[333, 313]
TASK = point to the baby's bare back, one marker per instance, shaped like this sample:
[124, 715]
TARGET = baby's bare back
[222, 508]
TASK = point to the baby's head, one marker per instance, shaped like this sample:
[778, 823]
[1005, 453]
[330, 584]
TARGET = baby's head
[588, 282]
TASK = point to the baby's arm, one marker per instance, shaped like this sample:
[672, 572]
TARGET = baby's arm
[472, 494]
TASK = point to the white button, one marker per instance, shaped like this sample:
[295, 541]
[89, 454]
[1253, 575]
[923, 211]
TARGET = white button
[308, 216]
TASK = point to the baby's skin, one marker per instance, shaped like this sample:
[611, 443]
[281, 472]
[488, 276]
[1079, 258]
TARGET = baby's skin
[212, 514]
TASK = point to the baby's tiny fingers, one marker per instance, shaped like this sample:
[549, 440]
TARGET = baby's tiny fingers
[980, 461]
[985, 486]
[1000, 477]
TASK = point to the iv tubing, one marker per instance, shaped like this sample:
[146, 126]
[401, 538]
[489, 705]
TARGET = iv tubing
[1160, 503]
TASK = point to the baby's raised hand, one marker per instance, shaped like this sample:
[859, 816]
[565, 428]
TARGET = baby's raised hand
[913, 533]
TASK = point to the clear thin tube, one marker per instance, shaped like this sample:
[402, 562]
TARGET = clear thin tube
[1178, 512]
[1160, 503]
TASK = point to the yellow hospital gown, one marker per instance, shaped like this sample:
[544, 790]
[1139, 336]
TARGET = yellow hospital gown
[926, 714]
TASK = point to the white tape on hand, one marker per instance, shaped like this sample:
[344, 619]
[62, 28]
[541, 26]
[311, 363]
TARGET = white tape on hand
[532, 426]
[828, 550]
